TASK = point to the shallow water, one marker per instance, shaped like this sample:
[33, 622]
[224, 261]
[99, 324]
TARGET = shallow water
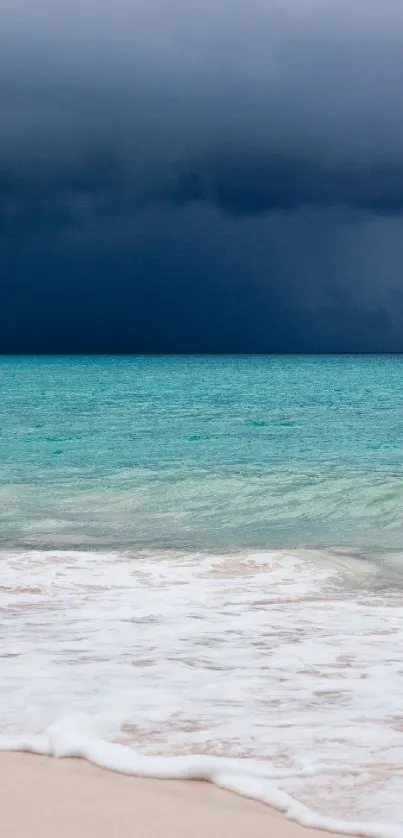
[205, 556]
[206, 453]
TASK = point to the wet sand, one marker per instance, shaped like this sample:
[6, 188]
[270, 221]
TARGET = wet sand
[47, 798]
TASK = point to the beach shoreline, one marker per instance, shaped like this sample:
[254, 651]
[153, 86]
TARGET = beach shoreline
[41, 797]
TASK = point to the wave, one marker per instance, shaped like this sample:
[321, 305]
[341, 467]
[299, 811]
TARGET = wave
[207, 510]
[273, 658]
[246, 778]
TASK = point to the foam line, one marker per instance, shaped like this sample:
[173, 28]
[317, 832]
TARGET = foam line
[243, 777]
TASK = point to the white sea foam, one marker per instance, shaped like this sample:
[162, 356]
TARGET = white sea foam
[241, 777]
[282, 670]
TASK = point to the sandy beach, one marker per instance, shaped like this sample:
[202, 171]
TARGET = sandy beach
[47, 798]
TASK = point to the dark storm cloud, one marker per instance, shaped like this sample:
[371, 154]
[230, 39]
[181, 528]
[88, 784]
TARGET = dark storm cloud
[248, 183]
[214, 177]
[251, 107]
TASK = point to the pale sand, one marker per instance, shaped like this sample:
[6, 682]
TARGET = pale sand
[47, 798]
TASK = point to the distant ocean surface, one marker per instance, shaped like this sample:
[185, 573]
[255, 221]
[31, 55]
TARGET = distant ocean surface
[205, 556]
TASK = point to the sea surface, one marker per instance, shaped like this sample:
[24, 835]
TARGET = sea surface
[204, 556]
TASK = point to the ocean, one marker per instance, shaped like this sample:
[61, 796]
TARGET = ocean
[201, 567]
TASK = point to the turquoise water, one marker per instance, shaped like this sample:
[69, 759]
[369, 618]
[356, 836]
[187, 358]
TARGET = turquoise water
[204, 556]
[201, 452]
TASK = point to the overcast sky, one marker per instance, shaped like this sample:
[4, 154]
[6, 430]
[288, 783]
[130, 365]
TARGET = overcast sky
[219, 177]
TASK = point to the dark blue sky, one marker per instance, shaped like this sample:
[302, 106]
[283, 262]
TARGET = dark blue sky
[225, 178]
